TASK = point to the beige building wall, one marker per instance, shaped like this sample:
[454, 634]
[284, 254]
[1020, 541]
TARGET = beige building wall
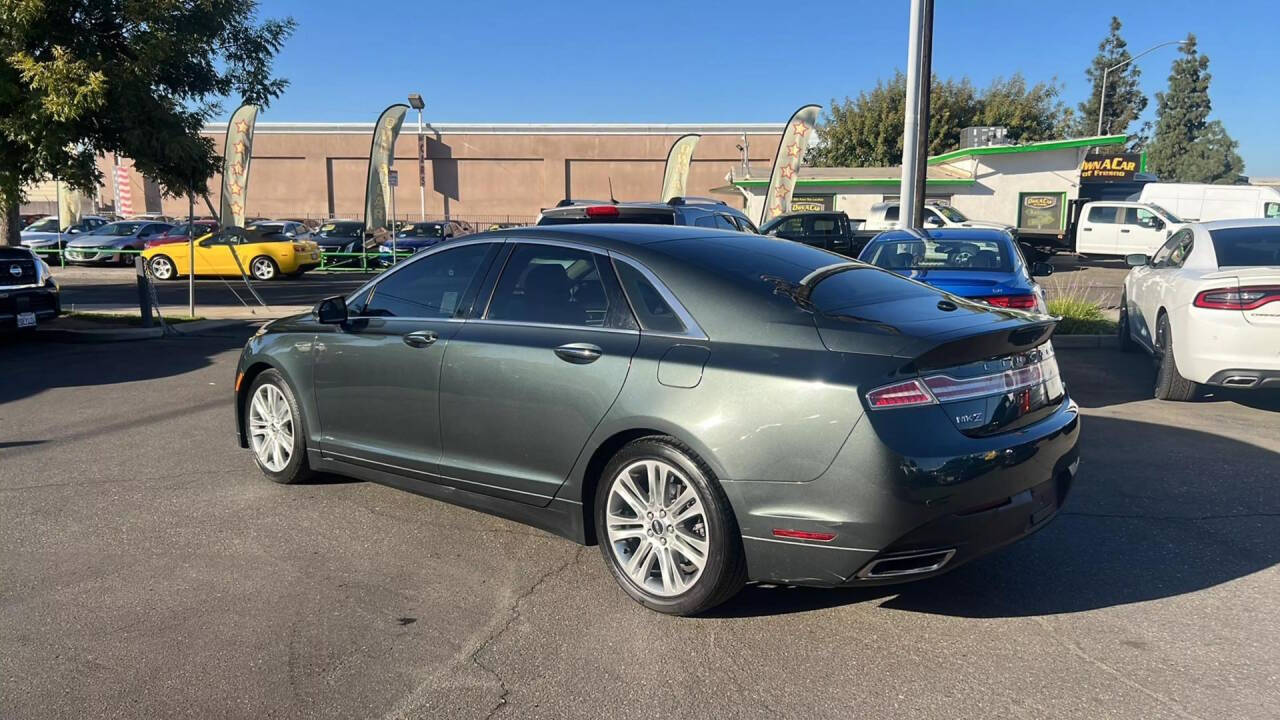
[482, 172]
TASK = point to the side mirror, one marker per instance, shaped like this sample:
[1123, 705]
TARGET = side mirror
[1041, 269]
[332, 310]
[1157, 223]
[73, 231]
[1136, 260]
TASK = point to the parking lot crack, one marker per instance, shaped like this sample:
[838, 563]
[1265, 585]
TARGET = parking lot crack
[513, 614]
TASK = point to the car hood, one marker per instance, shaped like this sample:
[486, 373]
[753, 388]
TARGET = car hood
[99, 242]
[985, 224]
[32, 237]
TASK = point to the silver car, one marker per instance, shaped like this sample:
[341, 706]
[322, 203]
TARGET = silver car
[113, 241]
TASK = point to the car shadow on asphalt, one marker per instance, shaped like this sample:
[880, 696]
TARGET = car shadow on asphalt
[1157, 511]
[31, 365]
[1099, 378]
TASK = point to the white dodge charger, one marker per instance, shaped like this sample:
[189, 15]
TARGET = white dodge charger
[1207, 307]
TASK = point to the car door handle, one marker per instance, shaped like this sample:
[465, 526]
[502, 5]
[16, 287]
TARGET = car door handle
[1087, 229]
[579, 353]
[1124, 230]
[420, 338]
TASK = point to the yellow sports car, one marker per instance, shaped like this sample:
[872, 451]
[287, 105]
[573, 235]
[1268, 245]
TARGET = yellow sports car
[262, 256]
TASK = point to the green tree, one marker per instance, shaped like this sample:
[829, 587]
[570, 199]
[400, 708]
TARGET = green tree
[1125, 99]
[867, 130]
[1186, 146]
[84, 78]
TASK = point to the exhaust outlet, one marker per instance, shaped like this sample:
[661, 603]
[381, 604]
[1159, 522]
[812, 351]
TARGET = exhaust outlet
[1240, 381]
[906, 564]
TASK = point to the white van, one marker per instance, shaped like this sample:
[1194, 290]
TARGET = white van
[1202, 203]
[1116, 227]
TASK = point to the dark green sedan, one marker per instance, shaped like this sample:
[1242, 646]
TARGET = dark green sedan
[710, 407]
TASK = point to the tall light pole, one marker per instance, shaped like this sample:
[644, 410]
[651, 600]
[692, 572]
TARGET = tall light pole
[1102, 97]
[415, 102]
[915, 130]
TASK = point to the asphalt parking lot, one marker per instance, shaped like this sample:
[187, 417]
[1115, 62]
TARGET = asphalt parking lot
[147, 569]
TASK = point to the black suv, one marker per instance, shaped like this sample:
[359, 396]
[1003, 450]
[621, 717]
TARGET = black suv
[827, 230]
[28, 292]
[699, 212]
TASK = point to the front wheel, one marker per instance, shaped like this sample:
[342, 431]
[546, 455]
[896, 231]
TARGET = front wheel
[1170, 385]
[263, 268]
[162, 268]
[666, 530]
[1123, 331]
[274, 420]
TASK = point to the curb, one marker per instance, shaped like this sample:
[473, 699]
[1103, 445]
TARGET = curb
[199, 326]
[1085, 341]
[99, 336]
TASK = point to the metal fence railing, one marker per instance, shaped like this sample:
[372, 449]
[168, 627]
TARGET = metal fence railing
[330, 261]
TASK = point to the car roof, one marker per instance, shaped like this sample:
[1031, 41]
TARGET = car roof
[1240, 223]
[961, 233]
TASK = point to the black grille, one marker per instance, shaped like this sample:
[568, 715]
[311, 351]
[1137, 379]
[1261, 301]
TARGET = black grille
[17, 272]
[28, 301]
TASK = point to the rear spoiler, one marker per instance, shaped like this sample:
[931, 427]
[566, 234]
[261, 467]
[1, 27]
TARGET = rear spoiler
[972, 348]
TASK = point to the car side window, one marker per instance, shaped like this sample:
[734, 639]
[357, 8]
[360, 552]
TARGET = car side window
[1102, 214]
[1140, 217]
[552, 285]
[793, 226]
[891, 213]
[1161, 258]
[433, 287]
[724, 223]
[746, 226]
[706, 221]
[1180, 251]
[654, 312]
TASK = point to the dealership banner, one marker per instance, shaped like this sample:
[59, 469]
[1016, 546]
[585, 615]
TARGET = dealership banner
[675, 177]
[1115, 167]
[68, 206]
[377, 196]
[786, 165]
[235, 165]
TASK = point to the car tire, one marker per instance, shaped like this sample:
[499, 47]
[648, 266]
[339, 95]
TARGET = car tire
[642, 536]
[1124, 333]
[1170, 385]
[264, 268]
[162, 268]
[274, 425]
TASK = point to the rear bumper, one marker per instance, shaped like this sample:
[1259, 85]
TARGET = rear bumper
[899, 514]
[1246, 379]
[1207, 343]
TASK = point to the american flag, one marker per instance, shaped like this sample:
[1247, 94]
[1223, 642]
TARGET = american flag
[124, 198]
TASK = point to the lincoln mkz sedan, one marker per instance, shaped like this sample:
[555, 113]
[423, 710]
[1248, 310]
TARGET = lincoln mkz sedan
[710, 407]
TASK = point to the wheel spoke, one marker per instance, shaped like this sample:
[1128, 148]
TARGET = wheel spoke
[638, 566]
[626, 489]
[681, 500]
[689, 513]
[657, 482]
[692, 549]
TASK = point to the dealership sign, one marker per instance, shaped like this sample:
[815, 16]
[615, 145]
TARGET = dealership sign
[1110, 168]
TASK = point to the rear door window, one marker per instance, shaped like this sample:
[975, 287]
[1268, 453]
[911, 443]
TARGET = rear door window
[553, 285]
[654, 312]
[1102, 214]
[724, 223]
[437, 286]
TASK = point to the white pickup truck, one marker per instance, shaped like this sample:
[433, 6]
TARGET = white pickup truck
[884, 216]
[1111, 227]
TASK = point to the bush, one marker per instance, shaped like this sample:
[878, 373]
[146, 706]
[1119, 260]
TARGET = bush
[1080, 316]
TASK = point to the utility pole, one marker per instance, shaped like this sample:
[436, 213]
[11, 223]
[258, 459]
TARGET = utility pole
[191, 255]
[1102, 95]
[915, 131]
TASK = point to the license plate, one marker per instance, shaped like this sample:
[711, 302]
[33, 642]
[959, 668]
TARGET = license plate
[26, 319]
[315, 256]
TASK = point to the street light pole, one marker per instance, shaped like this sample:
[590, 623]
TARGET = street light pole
[1102, 97]
[415, 101]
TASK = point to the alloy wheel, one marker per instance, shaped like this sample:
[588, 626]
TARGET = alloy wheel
[271, 427]
[263, 269]
[161, 268]
[657, 527]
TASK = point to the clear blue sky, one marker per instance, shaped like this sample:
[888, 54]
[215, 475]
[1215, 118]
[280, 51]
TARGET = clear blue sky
[745, 61]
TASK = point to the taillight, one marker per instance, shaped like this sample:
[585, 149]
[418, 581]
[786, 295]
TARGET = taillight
[602, 211]
[903, 394]
[1042, 369]
[1017, 302]
[1245, 298]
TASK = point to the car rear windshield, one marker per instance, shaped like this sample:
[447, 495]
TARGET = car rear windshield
[422, 230]
[642, 217]
[341, 229]
[1247, 246]
[45, 225]
[939, 254]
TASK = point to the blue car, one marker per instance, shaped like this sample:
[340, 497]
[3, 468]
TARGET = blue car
[419, 236]
[973, 263]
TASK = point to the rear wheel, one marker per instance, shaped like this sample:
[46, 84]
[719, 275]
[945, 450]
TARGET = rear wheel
[666, 530]
[1170, 385]
[1123, 330]
[162, 268]
[263, 268]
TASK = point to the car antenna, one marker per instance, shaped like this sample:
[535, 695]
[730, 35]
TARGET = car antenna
[612, 199]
